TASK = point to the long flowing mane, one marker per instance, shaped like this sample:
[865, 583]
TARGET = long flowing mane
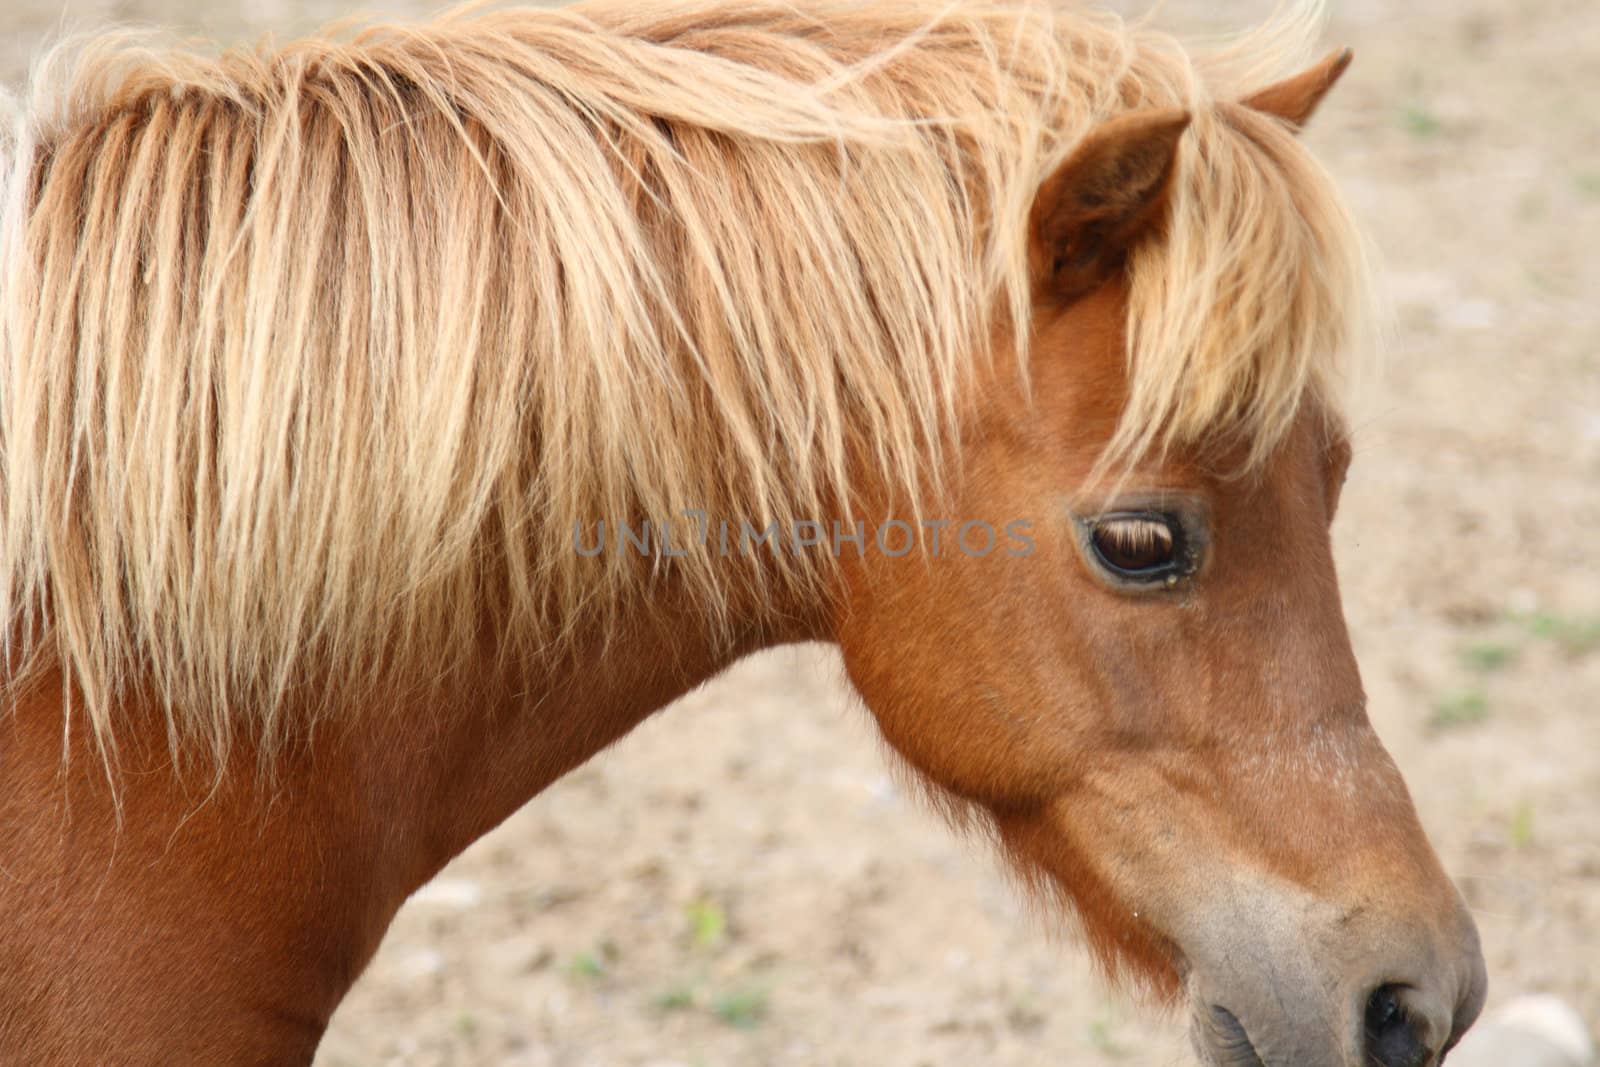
[312, 358]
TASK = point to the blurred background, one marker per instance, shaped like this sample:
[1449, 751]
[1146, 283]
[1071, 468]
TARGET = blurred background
[743, 881]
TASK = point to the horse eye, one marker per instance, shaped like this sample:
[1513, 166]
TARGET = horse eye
[1141, 547]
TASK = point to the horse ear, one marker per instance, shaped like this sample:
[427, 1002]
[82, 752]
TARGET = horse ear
[1294, 99]
[1102, 200]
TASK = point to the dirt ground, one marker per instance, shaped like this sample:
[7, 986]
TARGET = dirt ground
[743, 883]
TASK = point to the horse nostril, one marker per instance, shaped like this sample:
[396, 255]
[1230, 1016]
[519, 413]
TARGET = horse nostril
[1392, 1036]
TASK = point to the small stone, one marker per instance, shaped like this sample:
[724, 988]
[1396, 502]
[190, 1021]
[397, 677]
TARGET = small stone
[1529, 1031]
[457, 893]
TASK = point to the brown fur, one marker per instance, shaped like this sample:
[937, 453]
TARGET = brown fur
[1189, 768]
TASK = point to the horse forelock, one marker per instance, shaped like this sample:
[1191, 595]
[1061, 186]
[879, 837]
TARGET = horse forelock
[314, 358]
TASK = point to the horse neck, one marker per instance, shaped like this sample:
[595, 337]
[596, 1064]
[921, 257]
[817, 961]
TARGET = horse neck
[263, 894]
[538, 723]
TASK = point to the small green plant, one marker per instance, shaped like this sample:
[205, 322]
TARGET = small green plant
[743, 1008]
[1103, 1033]
[587, 965]
[1420, 122]
[1488, 656]
[1576, 636]
[708, 923]
[1521, 830]
[675, 998]
[1588, 183]
[1459, 709]
[467, 1025]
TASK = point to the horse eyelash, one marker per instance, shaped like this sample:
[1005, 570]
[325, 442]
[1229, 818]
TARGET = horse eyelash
[1135, 534]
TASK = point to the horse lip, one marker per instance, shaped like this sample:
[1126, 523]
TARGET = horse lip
[1223, 1040]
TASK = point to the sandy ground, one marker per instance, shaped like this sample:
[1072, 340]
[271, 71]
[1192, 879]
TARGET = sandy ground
[742, 883]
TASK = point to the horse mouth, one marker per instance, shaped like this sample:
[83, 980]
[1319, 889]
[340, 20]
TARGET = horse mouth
[1221, 1040]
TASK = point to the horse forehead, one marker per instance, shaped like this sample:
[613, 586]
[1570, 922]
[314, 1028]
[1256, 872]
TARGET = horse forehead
[1317, 446]
[1078, 360]
[1079, 384]
[1295, 492]
[1338, 449]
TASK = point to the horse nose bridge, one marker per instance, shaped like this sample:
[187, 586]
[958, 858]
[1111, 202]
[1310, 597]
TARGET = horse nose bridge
[1324, 802]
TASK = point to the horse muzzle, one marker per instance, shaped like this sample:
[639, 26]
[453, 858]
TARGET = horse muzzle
[1338, 994]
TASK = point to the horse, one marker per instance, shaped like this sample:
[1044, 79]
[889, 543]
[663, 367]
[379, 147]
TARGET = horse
[1007, 340]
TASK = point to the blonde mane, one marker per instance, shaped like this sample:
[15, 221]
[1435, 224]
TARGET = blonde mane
[312, 359]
